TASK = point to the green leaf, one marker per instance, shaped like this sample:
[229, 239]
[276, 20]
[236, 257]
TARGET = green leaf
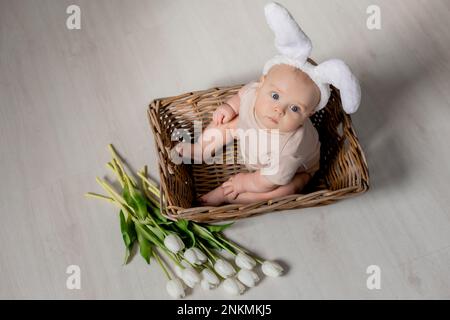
[203, 232]
[124, 229]
[127, 230]
[145, 247]
[135, 200]
[148, 234]
[168, 223]
[158, 215]
[155, 211]
[218, 227]
[157, 232]
[128, 234]
[141, 205]
[212, 244]
[184, 226]
[127, 196]
[128, 253]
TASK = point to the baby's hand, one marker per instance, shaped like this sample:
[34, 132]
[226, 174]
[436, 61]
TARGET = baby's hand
[223, 114]
[235, 185]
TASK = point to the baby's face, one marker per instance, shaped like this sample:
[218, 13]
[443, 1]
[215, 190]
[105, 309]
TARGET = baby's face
[286, 98]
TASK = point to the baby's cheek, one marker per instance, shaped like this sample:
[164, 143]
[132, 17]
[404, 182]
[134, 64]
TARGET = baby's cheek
[293, 123]
[259, 109]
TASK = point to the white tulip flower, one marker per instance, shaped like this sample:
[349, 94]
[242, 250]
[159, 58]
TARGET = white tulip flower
[178, 271]
[174, 243]
[233, 286]
[244, 261]
[191, 277]
[248, 277]
[175, 288]
[210, 279]
[195, 256]
[224, 268]
[226, 254]
[272, 269]
[185, 263]
[207, 285]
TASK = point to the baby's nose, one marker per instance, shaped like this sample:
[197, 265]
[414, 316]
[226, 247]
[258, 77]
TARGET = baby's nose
[279, 109]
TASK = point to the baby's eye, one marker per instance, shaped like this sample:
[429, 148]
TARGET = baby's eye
[294, 108]
[275, 96]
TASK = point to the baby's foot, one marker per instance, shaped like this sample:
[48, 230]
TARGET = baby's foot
[213, 198]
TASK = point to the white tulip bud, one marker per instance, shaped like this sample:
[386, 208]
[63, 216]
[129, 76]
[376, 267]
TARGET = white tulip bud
[248, 277]
[211, 278]
[233, 286]
[207, 285]
[185, 263]
[190, 277]
[190, 256]
[272, 269]
[224, 268]
[200, 255]
[175, 288]
[244, 261]
[195, 256]
[174, 243]
[178, 271]
[226, 254]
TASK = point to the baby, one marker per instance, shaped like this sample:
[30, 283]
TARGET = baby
[279, 104]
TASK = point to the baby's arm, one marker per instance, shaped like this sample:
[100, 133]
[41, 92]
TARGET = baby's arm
[234, 102]
[223, 114]
[230, 109]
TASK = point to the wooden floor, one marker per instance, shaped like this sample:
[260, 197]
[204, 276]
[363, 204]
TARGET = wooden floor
[65, 94]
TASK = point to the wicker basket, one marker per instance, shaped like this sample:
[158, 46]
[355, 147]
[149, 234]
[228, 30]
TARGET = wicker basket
[343, 168]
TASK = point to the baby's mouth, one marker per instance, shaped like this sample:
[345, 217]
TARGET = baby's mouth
[272, 119]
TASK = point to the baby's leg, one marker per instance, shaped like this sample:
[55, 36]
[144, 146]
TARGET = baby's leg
[213, 138]
[295, 186]
[213, 198]
[217, 197]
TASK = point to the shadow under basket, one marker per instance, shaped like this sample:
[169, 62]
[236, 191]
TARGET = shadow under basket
[343, 169]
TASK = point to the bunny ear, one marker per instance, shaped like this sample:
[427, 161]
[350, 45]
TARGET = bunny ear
[290, 40]
[338, 74]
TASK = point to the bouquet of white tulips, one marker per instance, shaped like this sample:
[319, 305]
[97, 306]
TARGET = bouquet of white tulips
[192, 250]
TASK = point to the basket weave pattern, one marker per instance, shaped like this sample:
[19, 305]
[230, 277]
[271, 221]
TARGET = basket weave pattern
[343, 168]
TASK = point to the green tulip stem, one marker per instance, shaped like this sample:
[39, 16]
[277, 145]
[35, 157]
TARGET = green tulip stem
[224, 247]
[118, 163]
[114, 168]
[164, 232]
[191, 264]
[239, 249]
[161, 263]
[99, 196]
[209, 253]
[232, 245]
[172, 256]
[116, 197]
[151, 185]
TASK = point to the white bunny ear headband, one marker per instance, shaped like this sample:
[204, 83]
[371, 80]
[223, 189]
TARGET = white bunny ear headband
[295, 47]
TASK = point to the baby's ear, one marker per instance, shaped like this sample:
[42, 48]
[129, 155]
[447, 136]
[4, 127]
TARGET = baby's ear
[261, 80]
